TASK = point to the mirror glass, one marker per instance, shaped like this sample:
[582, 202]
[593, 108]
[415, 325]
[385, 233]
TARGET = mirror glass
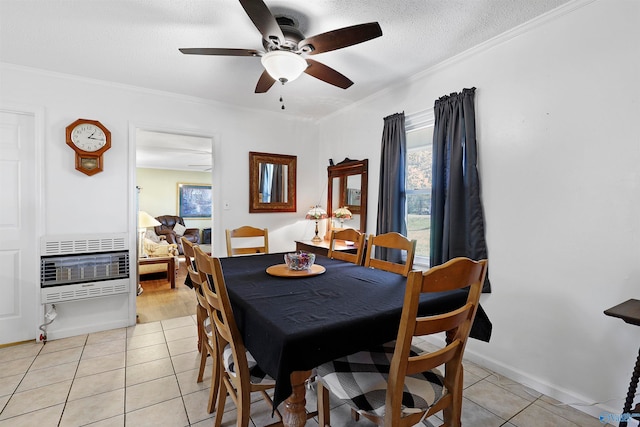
[352, 193]
[273, 185]
[272, 182]
[347, 187]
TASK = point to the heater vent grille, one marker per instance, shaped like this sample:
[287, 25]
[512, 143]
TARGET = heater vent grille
[85, 290]
[74, 267]
[64, 245]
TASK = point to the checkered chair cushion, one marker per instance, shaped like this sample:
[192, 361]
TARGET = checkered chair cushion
[360, 380]
[257, 375]
[207, 326]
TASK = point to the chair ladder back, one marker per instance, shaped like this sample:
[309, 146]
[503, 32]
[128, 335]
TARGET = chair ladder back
[188, 249]
[222, 314]
[391, 240]
[238, 384]
[427, 361]
[455, 274]
[351, 235]
[207, 337]
[247, 232]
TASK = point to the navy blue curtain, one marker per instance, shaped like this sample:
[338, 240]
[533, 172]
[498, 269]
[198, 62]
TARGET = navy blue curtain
[391, 193]
[457, 218]
[277, 184]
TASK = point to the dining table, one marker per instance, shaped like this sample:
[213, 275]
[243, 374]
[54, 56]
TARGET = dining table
[293, 323]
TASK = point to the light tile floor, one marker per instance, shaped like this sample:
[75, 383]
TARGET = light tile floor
[145, 375]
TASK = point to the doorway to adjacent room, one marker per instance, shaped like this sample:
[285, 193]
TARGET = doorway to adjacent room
[165, 162]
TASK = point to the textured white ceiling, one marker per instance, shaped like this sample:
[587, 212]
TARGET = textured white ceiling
[135, 42]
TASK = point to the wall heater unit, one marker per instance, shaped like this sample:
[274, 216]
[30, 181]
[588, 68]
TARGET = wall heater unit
[83, 266]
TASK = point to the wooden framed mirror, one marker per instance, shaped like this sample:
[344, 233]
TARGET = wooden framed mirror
[272, 182]
[347, 187]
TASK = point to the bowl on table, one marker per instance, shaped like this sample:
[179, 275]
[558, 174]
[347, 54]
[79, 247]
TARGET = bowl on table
[298, 261]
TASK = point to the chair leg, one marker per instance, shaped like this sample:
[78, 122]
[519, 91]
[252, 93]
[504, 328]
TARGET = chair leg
[199, 321]
[222, 396]
[323, 406]
[203, 362]
[452, 415]
[243, 408]
[215, 386]
[355, 416]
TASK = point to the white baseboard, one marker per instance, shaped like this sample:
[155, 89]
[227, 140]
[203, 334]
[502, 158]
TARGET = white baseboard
[84, 329]
[565, 396]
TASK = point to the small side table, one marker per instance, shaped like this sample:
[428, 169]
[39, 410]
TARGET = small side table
[170, 262]
[629, 311]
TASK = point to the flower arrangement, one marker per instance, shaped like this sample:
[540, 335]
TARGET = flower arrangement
[299, 261]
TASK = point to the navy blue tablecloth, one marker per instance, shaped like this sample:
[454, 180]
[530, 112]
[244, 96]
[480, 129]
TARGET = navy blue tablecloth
[296, 324]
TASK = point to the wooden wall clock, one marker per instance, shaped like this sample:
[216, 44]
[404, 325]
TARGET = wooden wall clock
[89, 139]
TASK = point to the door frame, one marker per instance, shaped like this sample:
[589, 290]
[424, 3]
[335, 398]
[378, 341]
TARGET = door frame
[133, 227]
[38, 113]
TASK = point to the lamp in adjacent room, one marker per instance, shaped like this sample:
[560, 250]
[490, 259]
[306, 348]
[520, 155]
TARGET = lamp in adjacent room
[144, 221]
[342, 214]
[316, 213]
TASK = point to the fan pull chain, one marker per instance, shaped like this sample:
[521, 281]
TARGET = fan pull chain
[281, 100]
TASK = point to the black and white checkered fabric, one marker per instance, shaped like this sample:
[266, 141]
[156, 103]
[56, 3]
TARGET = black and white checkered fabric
[256, 374]
[360, 380]
[207, 326]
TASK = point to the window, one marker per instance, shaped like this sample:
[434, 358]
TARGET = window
[418, 183]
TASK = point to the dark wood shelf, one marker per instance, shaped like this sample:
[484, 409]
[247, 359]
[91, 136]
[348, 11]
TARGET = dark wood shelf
[629, 311]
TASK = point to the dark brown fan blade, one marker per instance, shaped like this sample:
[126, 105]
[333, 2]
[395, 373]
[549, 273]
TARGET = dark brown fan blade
[264, 82]
[264, 20]
[216, 51]
[343, 37]
[327, 74]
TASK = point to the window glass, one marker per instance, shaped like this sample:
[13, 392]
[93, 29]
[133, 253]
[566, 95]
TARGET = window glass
[418, 189]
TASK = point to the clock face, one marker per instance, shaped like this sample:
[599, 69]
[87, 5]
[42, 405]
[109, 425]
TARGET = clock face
[88, 137]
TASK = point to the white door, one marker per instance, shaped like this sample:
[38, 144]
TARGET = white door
[19, 283]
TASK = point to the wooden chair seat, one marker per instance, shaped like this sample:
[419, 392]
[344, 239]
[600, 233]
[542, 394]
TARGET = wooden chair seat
[360, 380]
[257, 375]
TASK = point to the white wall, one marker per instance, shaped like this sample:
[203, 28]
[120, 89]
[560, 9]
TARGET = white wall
[105, 203]
[557, 111]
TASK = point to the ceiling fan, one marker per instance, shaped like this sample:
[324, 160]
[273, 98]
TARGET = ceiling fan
[284, 46]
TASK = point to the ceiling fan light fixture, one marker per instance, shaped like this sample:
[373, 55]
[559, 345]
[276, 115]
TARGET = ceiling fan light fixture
[284, 66]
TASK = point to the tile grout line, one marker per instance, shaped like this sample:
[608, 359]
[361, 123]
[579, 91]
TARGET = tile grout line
[72, 380]
[13, 393]
[173, 366]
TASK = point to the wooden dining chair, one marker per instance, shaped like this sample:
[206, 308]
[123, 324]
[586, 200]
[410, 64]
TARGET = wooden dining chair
[240, 375]
[208, 341]
[250, 235]
[391, 240]
[201, 311]
[414, 388]
[351, 235]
